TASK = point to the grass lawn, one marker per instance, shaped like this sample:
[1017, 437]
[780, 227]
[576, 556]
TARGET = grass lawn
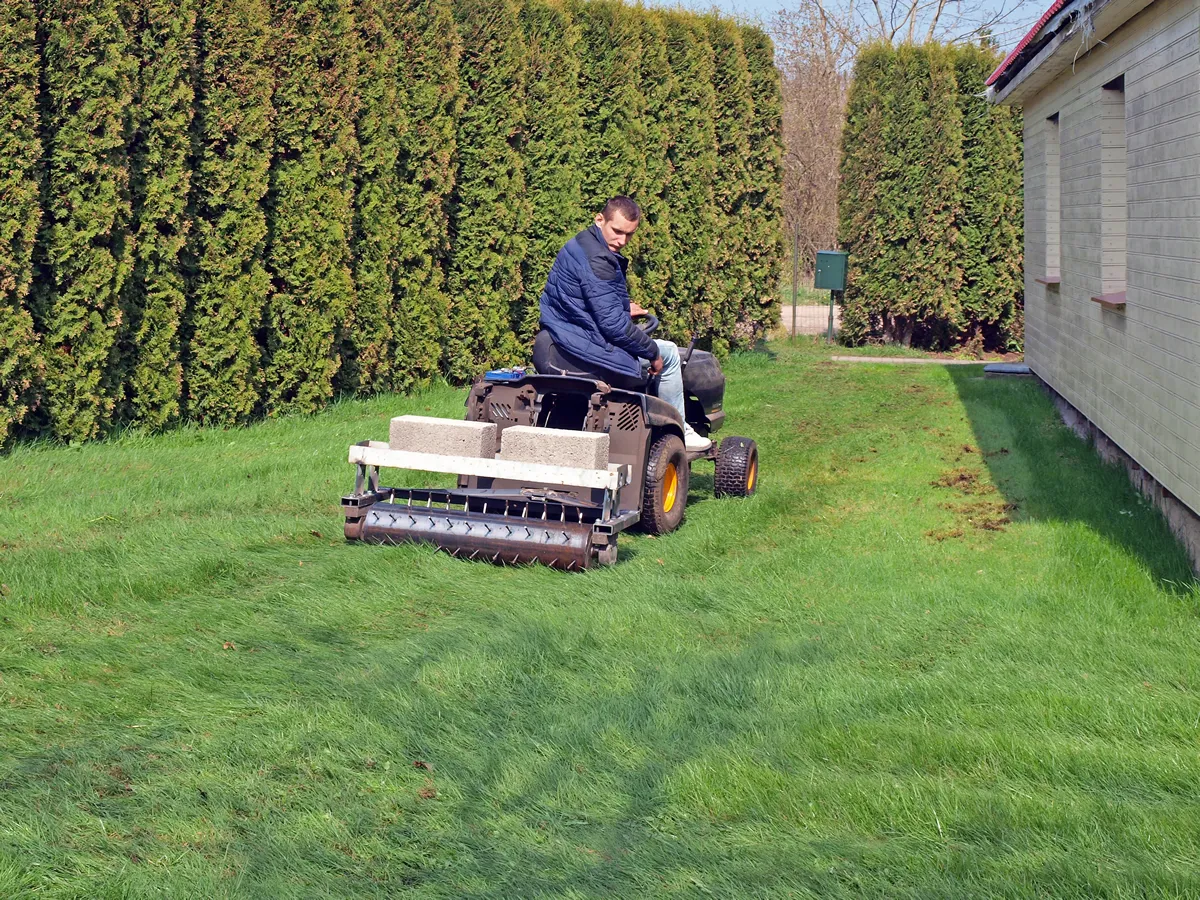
[944, 652]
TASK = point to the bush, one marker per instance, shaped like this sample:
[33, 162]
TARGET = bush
[20, 215]
[161, 178]
[927, 175]
[764, 207]
[311, 201]
[431, 95]
[230, 286]
[88, 252]
[553, 150]
[651, 251]
[222, 209]
[690, 192]
[490, 209]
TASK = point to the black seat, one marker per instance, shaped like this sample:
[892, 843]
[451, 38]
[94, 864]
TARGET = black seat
[548, 359]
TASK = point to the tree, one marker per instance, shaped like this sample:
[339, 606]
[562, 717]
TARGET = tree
[490, 209]
[901, 200]
[367, 338]
[763, 211]
[161, 180]
[431, 97]
[89, 71]
[690, 192]
[20, 215]
[991, 227]
[729, 278]
[311, 201]
[230, 285]
[651, 250]
[613, 105]
[553, 149]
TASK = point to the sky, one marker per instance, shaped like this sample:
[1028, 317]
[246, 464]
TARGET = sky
[764, 10]
[751, 9]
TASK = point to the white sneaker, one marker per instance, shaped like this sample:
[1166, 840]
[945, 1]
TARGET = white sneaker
[693, 441]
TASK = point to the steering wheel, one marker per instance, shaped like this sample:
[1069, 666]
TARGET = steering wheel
[649, 323]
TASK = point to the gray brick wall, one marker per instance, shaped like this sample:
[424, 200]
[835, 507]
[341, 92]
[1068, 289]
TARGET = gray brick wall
[1134, 373]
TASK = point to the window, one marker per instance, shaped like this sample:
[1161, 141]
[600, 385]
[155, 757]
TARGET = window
[1113, 212]
[1053, 203]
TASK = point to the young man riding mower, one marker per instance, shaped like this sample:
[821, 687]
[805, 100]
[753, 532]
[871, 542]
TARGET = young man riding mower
[588, 316]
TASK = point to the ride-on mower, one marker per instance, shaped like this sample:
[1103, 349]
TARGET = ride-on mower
[551, 466]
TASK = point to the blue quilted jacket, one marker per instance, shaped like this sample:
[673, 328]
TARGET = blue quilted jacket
[585, 307]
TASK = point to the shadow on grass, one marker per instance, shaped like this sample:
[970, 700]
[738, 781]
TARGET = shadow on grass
[1047, 473]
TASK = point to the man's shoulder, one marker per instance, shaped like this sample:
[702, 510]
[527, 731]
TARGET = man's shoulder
[603, 262]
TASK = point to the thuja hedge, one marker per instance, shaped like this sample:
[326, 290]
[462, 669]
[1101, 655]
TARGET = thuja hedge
[930, 201]
[225, 209]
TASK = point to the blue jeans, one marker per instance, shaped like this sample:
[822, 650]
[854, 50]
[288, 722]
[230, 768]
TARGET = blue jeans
[670, 380]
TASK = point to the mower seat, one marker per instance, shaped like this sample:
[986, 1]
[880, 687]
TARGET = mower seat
[549, 360]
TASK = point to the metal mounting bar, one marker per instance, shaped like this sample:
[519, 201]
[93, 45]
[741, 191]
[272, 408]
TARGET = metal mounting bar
[612, 479]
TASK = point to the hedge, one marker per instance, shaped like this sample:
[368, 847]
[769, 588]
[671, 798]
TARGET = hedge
[221, 210]
[929, 201]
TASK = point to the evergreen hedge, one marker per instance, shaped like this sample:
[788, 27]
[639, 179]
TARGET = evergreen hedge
[651, 249]
[311, 201]
[88, 246]
[161, 180]
[490, 209]
[554, 149]
[729, 280]
[764, 209]
[689, 194]
[20, 214]
[215, 210]
[230, 284]
[431, 96]
[929, 201]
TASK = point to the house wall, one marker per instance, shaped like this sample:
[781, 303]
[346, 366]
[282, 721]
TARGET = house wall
[1135, 373]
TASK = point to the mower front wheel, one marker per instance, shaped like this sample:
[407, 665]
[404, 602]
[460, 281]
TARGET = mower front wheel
[737, 468]
[667, 477]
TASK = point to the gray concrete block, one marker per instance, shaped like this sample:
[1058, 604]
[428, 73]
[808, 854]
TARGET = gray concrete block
[555, 447]
[448, 437]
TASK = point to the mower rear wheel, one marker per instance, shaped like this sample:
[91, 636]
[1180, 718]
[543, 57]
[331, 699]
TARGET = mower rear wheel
[737, 468]
[667, 477]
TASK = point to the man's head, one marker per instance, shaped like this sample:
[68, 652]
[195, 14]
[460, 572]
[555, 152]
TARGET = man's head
[617, 221]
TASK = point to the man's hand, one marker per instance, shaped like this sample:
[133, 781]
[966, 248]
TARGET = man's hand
[636, 309]
[656, 365]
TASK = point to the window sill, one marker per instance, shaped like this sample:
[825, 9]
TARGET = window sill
[1111, 301]
[1049, 280]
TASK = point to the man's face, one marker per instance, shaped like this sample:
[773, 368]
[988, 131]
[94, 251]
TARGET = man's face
[616, 230]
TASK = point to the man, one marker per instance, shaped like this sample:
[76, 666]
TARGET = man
[585, 307]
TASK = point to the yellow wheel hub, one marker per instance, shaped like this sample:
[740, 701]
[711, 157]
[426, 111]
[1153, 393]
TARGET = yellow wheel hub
[670, 487]
[753, 476]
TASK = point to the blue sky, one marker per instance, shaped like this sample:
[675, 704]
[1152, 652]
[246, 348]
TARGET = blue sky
[753, 9]
[764, 10]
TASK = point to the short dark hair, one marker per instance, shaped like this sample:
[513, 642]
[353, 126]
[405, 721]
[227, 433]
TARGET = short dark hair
[626, 206]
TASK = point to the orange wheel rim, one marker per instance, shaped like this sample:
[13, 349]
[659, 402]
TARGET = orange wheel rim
[753, 476]
[670, 487]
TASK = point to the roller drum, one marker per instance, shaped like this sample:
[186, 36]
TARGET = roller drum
[499, 538]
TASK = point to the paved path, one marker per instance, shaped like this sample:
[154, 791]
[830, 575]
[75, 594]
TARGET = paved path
[902, 360]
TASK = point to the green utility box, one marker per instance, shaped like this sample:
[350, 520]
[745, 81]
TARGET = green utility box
[831, 270]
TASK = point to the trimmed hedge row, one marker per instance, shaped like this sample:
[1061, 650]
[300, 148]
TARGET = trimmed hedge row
[235, 208]
[930, 201]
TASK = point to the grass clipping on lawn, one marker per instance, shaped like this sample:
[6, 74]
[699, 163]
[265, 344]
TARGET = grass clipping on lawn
[943, 652]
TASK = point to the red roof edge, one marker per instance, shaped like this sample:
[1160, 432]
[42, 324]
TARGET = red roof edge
[1025, 41]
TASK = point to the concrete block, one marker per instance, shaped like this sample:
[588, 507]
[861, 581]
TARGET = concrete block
[555, 447]
[448, 437]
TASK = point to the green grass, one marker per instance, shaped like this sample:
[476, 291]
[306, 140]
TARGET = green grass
[855, 684]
